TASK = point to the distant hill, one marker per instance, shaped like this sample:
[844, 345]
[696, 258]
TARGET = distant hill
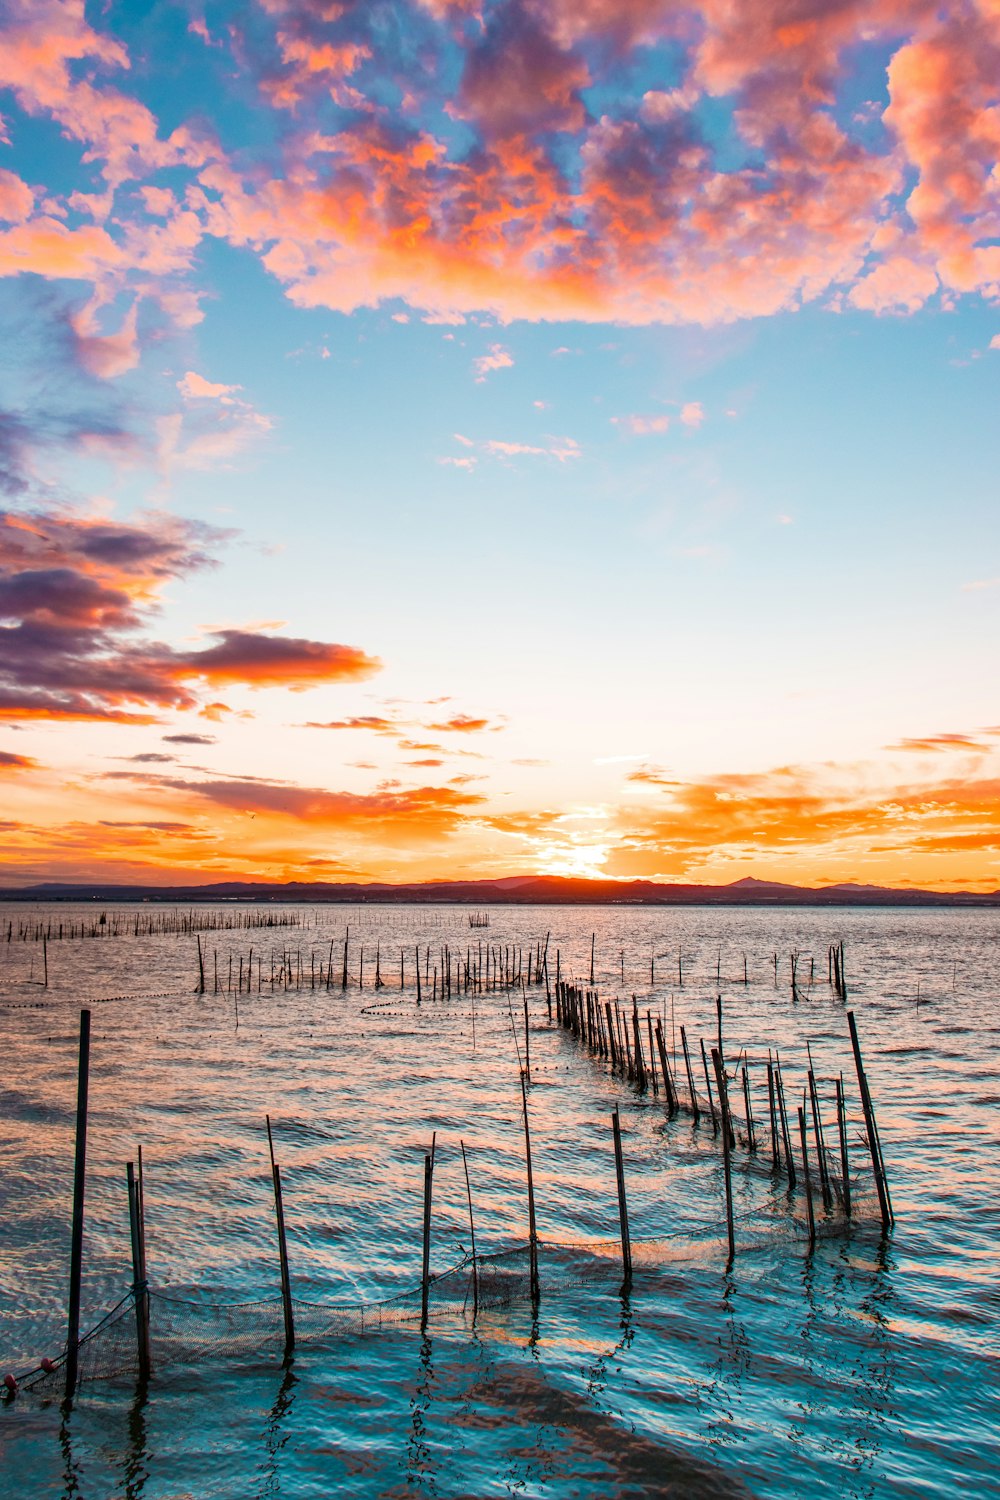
[516, 890]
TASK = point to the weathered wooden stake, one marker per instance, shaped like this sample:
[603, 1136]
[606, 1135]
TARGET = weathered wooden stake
[842, 1130]
[139, 1290]
[622, 1204]
[425, 1274]
[279, 1212]
[874, 1145]
[76, 1233]
[532, 1228]
[708, 1085]
[690, 1076]
[808, 1177]
[472, 1232]
[720, 1079]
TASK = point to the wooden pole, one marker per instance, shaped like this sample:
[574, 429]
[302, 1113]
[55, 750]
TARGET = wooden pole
[808, 1177]
[201, 967]
[874, 1145]
[622, 1204]
[720, 1079]
[593, 939]
[76, 1233]
[527, 1045]
[139, 1290]
[279, 1211]
[472, 1232]
[425, 1273]
[708, 1085]
[532, 1229]
[668, 1082]
[824, 1180]
[779, 1086]
[845, 1169]
[696, 1112]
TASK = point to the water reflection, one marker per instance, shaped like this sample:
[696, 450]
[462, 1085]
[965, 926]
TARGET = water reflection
[136, 1467]
[277, 1433]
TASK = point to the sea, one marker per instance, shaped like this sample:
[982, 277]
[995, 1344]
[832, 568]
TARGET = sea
[860, 1362]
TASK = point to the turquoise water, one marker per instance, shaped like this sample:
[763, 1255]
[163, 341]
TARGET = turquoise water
[865, 1368]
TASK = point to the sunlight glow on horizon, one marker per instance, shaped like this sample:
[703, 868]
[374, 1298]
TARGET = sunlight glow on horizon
[399, 422]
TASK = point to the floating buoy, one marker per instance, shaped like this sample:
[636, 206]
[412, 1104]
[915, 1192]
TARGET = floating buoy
[11, 1385]
[47, 1366]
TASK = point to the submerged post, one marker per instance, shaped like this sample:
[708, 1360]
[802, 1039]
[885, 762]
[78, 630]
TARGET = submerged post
[622, 1205]
[76, 1236]
[532, 1228]
[139, 1290]
[720, 1079]
[279, 1210]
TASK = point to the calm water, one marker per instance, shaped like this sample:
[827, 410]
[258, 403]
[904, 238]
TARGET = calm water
[867, 1368]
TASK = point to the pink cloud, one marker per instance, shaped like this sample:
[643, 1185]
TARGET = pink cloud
[498, 358]
[16, 198]
[106, 355]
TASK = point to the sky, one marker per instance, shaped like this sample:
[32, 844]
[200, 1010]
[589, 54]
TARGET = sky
[466, 438]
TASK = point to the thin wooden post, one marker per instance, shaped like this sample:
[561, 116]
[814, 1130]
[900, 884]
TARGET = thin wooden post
[472, 1232]
[201, 966]
[425, 1273]
[708, 1085]
[527, 1045]
[824, 1180]
[751, 1134]
[874, 1145]
[720, 1079]
[76, 1233]
[772, 1112]
[532, 1229]
[622, 1204]
[842, 1130]
[593, 939]
[696, 1112]
[808, 1177]
[139, 1290]
[613, 1045]
[668, 1082]
[343, 974]
[779, 1086]
[279, 1211]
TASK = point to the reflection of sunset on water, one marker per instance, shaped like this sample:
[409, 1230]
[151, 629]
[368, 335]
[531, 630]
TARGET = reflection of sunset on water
[699, 1362]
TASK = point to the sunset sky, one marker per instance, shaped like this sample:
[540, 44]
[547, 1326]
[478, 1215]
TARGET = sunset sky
[475, 437]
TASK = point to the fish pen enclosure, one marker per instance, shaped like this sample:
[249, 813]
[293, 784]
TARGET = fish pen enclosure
[250, 1150]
